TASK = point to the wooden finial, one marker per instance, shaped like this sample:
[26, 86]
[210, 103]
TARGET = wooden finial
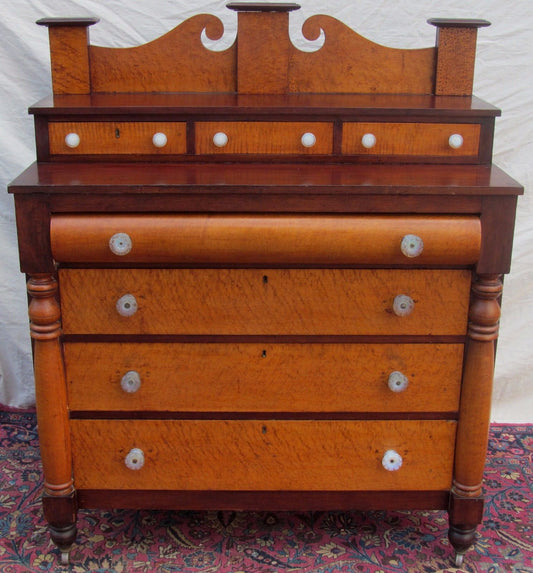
[456, 53]
[69, 53]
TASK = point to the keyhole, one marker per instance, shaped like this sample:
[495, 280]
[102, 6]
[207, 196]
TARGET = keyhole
[117, 133]
[265, 279]
[264, 354]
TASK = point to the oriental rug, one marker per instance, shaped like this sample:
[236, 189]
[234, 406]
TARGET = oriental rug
[124, 541]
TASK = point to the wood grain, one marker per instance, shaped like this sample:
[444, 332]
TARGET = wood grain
[264, 377]
[349, 63]
[264, 301]
[427, 139]
[160, 65]
[264, 137]
[117, 137]
[280, 239]
[263, 455]
[69, 55]
[456, 50]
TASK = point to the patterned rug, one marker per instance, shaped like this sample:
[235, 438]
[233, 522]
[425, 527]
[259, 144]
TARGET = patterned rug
[261, 542]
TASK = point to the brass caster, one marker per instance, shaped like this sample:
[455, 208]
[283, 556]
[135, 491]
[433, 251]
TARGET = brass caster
[65, 557]
[459, 558]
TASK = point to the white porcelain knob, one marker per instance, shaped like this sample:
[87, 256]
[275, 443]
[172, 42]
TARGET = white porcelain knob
[368, 140]
[72, 140]
[159, 139]
[127, 305]
[398, 382]
[308, 139]
[130, 382]
[412, 246]
[392, 461]
[220, 139]
[120, 244]
[456, 141]
[403, 305]
[134, 460]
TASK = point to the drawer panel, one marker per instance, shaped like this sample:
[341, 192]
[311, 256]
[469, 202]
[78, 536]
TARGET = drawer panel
[259, 302]
[269, 137]
[117, 138]
[263, 377]
[262, 455]
[423, 139]
[281, 239]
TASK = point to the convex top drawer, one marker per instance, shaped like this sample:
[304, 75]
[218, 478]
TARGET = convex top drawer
[266, 239]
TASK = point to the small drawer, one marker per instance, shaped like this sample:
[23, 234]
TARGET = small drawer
[266, 239]
[410, 139]
[269, 455]
[250, 377]
[117, 138]
[264, 137]
[269, 302]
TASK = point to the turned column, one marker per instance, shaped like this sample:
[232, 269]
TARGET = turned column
[59, 498]
[466, 500]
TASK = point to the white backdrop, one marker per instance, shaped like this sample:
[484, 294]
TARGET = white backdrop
[504, 77]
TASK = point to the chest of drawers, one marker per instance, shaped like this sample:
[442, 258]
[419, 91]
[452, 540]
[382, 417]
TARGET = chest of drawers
[283, 297]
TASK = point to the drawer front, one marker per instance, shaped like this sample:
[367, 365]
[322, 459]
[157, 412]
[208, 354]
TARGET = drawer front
[267, 137]
[118, 138]
[264, 302]
[262, 239]
[264, 377]
[431, 139]
[261, 455]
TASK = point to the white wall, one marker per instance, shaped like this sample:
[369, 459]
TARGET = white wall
[503, 77]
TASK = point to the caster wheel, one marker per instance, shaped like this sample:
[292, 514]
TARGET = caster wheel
[65, 557]
[459, 558]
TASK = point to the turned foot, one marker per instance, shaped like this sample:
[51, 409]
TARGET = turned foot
[60, 512]
[461, 540]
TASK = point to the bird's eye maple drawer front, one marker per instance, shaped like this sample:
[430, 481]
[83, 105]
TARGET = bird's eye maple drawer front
[279, 239]
[121, 138]
[264, 301]
[410, 139]
[263, 137]
[263, 455]
[250, 377]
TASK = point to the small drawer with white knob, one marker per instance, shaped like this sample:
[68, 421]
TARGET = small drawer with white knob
[261, 377]
[117, 138]
[263, 455]
[255, 301]
[435, 140]
[263, 137]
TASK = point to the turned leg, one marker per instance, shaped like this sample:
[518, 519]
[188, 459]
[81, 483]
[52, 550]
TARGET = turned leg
[466, 500]
[59, 499]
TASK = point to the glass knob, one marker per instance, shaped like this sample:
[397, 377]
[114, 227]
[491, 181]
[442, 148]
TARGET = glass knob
[120, 244]
[220, 139]
[72, 140]
[403, 305]
[368, 140]
[159, 139]
[134, 460]
[130, 382]
[127, 305]
[392, 461]
[412, 246]
[308, 139]
[456, 141]
[398, 382]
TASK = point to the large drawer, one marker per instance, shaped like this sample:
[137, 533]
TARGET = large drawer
[263, 137]
[117, 138]
[261, 239]
[317, 455]
[264, 302]
[411, 139]
[263, 377]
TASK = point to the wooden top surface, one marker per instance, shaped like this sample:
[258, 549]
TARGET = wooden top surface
[132, 178]
[265, 104]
